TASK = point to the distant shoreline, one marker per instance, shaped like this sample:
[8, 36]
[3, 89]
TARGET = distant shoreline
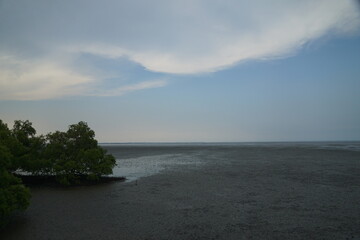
[214, 143]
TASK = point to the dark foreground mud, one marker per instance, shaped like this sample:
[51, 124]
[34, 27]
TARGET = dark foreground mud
[81, 180]
[235, 193]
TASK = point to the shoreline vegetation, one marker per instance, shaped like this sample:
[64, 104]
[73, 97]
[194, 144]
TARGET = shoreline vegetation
[70, 158]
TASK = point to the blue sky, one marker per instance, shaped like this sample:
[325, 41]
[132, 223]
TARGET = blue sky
[190, 71]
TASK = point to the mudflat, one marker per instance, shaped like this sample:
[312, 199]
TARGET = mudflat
[207, 192]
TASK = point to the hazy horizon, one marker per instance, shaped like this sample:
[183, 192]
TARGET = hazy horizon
[231, 143]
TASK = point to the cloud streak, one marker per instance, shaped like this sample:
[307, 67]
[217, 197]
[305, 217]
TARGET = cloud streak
[45, 38]
[131, 88]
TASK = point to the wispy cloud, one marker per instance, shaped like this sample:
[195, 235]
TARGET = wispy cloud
[36, 80]
[130, 88]
[211, 39]
[29, 80]
[44, 38]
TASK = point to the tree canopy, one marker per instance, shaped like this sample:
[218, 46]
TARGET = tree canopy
[69, 156]
[13, 194]
[76, 153]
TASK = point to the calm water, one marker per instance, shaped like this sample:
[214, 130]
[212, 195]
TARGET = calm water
[207, 191]
[136, 160]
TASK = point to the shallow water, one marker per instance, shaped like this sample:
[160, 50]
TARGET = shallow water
[137, 167]
[207, 191]
[132, 163]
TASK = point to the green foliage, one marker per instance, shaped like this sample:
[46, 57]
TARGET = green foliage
[76, 153]
[23, 131]
[67, 155]
[13, 195]
[28, 149]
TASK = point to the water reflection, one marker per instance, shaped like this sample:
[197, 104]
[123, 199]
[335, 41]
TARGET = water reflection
[135, 168]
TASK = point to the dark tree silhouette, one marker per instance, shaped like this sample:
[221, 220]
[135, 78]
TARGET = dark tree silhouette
[13, 194]
[76, 153]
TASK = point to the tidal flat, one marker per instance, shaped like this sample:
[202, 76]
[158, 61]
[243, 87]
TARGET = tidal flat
[207, 191]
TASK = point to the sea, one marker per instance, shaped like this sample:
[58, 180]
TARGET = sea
[136, 160]
[267, 190]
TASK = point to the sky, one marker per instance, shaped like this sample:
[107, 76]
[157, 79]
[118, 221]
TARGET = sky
[183, 71]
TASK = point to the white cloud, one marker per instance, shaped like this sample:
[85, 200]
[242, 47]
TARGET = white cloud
[29, 80]
[211, 40]
[176, 37]
[35, 80]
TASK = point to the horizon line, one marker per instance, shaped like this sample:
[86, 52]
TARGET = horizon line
[222, 142]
